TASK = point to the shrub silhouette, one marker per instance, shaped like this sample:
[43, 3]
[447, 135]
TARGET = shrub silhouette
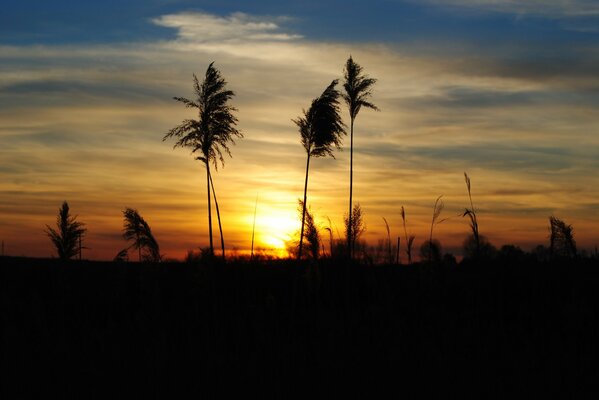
[311, 235]
[212, 132]
[320, 129]
[562, 243]
[511, 252]
[357, 227]
[137, 230]
[66, 239]
[431, 250]
[480, 246]
[356, 94]
[122, 256]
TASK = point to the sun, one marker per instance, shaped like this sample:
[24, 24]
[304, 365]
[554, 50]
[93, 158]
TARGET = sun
[275, 229]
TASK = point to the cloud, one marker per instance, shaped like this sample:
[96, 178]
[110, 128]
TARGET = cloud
[572, 15]
[546, 8]
[203, 28]
[85, 123]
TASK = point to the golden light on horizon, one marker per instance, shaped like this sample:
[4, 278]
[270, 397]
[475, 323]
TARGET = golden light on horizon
[274, 229]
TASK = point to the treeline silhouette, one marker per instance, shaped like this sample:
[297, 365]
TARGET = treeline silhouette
[497, 327]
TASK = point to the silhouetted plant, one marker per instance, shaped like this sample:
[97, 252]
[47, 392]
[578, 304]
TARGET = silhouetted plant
[562, 243]
[199, 256]
[254, 227]
[410, 239]
[66, 238]
[478, 247]
[357, 227]
[357, 92]
[541, 253]
[329, 229]
[136, 229]
[382, 253]
[122, 256]
[511, 253]
[220, 227]
[431, 250]
[320, 129]
[212, 132]
[311, 235]
[449, 259]
[389, 253]
[437, 209]
[471, 213]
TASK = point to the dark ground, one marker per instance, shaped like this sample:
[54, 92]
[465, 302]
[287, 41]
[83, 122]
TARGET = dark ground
[492, 329]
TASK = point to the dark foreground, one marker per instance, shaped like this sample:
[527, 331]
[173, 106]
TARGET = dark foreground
[494, 329]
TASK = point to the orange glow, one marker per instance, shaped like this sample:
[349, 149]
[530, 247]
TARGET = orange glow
[275, 227]
[101, 149]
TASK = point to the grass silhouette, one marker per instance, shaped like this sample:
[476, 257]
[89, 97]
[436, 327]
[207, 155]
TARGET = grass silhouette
[409, 239]
[357, 92]
[137, 231]
[562, 243]
[430, 245]
[67, 236]
[213, 131]
[471, 213]
[320, 130]
[354, 225]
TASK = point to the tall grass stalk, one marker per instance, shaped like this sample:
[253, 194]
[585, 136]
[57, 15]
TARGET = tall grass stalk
[389, 256]
[220, 227]
[321, 129]
[329, 229]
[357, 93]
[471, 213]
[437, 209]
[409, 240]
[254, 227]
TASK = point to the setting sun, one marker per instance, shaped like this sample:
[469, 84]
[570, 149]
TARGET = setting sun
[274, 229]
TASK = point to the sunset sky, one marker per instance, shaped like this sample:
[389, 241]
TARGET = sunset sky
[505, 90]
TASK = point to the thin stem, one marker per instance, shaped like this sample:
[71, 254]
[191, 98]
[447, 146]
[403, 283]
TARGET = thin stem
[351, 188]
[254, 226]
[299, 253]
[430, 239]
[220, 228]
[407, 243]
[209, 208]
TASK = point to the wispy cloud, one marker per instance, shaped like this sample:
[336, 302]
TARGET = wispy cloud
[202, 28]
[549, 8]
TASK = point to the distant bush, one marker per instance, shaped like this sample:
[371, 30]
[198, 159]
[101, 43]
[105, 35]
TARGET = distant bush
[431, 250]
[480, 248]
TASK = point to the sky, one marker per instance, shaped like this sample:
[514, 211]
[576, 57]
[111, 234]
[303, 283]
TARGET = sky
[505, 90]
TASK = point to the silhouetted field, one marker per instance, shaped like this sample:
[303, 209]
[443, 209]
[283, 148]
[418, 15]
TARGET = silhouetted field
[282, 328]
